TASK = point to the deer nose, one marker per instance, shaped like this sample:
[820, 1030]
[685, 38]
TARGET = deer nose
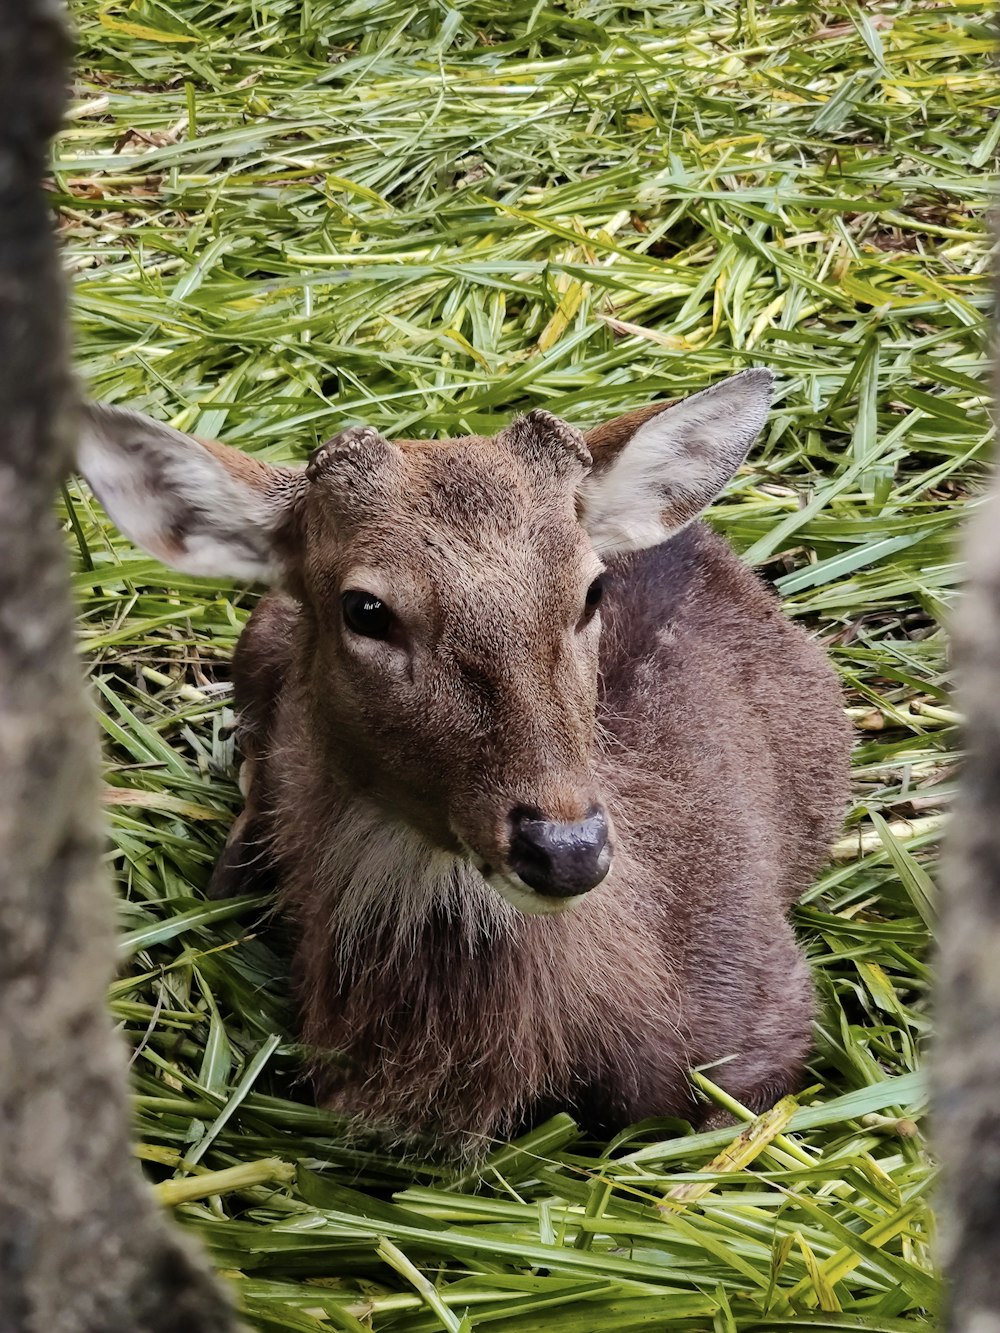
[558, 859]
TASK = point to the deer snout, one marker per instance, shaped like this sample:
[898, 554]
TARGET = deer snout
[559, 859]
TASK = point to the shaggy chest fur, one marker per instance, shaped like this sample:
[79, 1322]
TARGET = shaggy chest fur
[448, 1012]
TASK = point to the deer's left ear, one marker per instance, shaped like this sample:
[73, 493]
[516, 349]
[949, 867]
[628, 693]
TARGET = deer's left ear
[655, 470]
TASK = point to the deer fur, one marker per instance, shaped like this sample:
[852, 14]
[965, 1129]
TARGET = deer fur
[440, 994]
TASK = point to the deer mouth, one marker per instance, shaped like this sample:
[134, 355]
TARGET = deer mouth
[511, 887]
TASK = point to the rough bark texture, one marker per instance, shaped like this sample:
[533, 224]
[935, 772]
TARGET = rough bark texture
[967, 1064]
[82, 1244]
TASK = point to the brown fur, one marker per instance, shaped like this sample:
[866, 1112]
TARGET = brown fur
[387, 778]
[720, 755]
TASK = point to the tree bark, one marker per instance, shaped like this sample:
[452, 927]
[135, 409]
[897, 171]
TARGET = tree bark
[83, 1246]
[966, 1067]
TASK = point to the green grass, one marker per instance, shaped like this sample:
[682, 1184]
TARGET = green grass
[283, 217]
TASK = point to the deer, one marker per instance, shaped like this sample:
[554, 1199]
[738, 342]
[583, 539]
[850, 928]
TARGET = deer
[535, 764]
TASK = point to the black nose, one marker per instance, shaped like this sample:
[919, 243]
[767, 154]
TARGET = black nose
[559, 860]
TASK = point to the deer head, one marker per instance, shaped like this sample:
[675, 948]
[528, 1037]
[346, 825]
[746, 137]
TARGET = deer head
[451, 600]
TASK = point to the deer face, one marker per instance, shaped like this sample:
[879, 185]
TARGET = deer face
[455, 596]
[451, 594]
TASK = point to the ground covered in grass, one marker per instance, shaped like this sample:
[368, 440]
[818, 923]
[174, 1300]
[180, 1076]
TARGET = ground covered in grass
[284, 217]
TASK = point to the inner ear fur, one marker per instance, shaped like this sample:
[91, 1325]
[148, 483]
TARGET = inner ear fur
[197, 505]
[607, 440]
[658, 468]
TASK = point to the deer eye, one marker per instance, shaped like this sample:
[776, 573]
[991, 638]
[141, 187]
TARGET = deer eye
[595, 593]
[366, 615]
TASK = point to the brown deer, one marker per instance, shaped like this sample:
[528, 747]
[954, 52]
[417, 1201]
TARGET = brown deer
[537, 764]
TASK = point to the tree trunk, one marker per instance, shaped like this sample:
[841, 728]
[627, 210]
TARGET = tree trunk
[83, 1246]
[967, 1057]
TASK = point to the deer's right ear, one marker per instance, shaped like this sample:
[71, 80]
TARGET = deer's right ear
[201, 507]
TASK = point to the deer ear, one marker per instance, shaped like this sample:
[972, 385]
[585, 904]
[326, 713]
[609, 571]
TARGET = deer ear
[201, 507]
[655, 470]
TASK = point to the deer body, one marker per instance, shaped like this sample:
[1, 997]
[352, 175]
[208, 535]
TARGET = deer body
[548, 863]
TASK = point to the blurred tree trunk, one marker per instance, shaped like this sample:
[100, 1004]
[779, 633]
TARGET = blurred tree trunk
[967, 1063]
[82, 1244]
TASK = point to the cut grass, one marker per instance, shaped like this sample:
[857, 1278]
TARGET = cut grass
[282, 218]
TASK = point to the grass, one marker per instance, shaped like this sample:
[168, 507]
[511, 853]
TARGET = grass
[283, 217]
